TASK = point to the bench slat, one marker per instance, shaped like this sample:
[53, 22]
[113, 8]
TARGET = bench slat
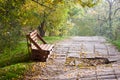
[33, 36]
[49, 47]
[41, 45]
[34, 32]
[46, 47]
[35, 39]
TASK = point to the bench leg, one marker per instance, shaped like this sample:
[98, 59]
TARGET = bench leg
[37, 56]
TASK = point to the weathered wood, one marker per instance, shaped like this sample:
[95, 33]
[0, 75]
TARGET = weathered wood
[41, 39]
[39, 52]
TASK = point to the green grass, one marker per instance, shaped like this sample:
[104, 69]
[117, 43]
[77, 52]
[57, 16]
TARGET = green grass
[54, 39]
[117, 44]
[19, 54]
[14, 72]
[13, 64]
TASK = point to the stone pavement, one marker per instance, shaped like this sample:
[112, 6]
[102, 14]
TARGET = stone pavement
[88, 47]
[67, 62]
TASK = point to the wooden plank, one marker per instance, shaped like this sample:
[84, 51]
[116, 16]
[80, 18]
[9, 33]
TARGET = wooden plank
[34, 42]
[47, 47]
[33, 36]
[33, 47]
[41, 45]
[41, 39]
[51, 47]
[35, 39]
[34, 32]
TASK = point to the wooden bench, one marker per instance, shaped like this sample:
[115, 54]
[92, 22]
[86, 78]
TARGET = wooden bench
[38, 52]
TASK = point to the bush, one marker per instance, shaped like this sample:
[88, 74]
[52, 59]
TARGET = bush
[9, 37]
[117, 44]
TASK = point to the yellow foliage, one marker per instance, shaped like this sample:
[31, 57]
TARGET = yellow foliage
[49, 1]
[54, 12]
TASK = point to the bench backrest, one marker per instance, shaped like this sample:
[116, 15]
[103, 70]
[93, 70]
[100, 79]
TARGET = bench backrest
[32, 39]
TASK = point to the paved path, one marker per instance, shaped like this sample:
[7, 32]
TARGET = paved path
[64, 68]
[89, 47]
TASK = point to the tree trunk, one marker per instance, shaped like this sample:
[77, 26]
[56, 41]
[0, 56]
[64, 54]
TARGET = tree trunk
[110, 34]
[41, 29]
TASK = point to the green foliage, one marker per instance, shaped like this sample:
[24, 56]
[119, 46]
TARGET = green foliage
[14, 72]
[56, 21]
[19, 54]
[54, 14]
[88, 3]
[9, 23]
[54, 17]
[15, 69]
[83, 26]
[117, 44]
[107, 21]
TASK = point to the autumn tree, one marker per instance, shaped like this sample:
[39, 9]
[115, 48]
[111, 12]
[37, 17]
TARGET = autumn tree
[9, 23]
[54, 14]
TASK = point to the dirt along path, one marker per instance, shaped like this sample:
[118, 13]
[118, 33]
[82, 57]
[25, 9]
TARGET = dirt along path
[80, 58]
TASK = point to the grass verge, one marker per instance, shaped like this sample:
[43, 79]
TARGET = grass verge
[54, 39]
[14, 72]
[19, 54]
[117, 44]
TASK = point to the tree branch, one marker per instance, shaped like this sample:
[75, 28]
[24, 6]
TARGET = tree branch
[116, 10]
[36, 1]
[110, 2]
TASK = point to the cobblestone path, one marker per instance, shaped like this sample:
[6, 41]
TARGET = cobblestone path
[67, 65]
